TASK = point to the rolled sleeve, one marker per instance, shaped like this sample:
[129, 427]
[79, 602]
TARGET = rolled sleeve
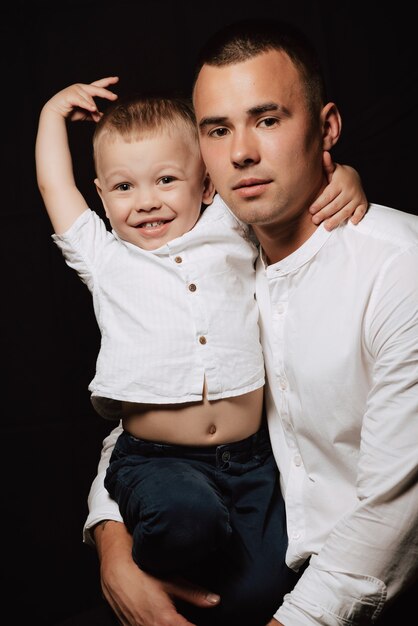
[100, 504]
[332, 599]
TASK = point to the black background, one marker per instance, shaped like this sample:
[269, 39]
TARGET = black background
[51, 437]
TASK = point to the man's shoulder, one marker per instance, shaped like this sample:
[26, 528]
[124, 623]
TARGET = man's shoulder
[390, 224]
[390, 213]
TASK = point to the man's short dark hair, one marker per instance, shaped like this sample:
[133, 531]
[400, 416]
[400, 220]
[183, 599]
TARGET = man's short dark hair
[245, 39]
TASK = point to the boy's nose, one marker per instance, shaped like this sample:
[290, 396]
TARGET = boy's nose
[147, 201]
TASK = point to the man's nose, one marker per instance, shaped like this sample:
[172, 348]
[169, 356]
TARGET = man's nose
[244, 149]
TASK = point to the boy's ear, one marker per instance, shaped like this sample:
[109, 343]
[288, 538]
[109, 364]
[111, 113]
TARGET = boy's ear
[208, 191]
[331, 125]
[99, 191]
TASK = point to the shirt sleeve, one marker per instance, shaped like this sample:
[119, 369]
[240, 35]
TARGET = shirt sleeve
[101, 505]
[371, 554]
[83, 245]
[327, 598]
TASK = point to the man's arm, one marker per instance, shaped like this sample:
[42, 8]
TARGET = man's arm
[371, 554]
[137, 598]
[101, 506]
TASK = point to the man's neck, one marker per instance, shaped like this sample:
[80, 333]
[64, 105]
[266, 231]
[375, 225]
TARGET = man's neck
[280, 240]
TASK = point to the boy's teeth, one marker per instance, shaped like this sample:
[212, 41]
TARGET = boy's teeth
[153, 224]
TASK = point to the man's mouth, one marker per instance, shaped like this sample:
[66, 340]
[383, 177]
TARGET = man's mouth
[250, 182]
[250, 187]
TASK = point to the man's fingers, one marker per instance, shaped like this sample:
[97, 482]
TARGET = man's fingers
[192, 593]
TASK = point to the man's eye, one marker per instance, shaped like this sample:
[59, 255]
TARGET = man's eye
[123, 187]
[218, 132]
[269, 122]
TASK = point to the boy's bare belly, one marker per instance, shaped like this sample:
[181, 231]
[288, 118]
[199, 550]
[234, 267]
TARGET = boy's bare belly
[198, 423]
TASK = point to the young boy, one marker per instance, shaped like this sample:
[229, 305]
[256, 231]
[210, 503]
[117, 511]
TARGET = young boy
[180, 360]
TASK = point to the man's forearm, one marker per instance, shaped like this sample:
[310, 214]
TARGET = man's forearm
[112, 538]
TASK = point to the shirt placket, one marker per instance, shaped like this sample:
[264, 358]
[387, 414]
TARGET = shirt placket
[279, 287]
[196, 301]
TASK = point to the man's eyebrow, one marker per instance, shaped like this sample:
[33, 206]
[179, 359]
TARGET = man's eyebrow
[212, 121]
[265, 107]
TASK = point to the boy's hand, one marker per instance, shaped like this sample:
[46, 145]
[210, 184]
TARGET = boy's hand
[77, 101]
[54, 169]
[342, 198]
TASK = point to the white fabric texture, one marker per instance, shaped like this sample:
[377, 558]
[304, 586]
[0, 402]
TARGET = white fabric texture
[172, 317]
[339, 324]
[339, 328]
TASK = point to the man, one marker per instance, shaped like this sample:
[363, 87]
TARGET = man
[339, 321]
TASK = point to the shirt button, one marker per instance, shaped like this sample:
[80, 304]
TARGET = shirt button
[178, 259]
[280, 308]
[297, 460]
[283, 383]
[192, 287]
[295, 535]
[226, 456]
[202, 340]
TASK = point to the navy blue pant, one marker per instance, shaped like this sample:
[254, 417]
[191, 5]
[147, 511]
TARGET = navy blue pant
[213, 515]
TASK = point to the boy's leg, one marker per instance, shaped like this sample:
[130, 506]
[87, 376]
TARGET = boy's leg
[250, 574]
[255, 575]
[172, 507]
[181, 517]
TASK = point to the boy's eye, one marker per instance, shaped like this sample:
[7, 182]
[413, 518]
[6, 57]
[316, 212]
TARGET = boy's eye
[123, 187]
[165, 180]
[218, 132]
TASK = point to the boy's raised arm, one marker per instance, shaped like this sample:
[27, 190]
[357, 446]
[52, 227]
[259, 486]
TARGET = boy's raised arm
[54, 168]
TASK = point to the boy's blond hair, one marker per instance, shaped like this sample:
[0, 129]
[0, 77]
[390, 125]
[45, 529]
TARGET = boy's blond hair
[145, 116]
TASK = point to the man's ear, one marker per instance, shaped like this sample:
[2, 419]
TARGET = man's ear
[208, 191]
[331, 125]
[99, 191]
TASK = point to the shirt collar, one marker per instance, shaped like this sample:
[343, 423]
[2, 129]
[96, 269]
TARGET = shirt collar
[300, 256]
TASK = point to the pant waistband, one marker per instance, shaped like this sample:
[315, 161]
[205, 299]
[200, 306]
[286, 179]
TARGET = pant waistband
[237, 451]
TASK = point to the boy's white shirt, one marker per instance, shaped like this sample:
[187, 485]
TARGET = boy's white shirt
[173, 318]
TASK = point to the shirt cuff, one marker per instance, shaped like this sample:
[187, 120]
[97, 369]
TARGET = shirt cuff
[332, 599]
[101, 507]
